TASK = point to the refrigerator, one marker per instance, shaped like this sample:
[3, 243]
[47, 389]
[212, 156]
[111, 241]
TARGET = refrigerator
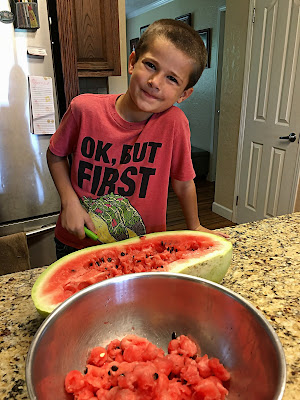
[29, 201]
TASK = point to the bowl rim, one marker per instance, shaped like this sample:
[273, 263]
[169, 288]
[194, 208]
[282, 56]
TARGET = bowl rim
[111, 281]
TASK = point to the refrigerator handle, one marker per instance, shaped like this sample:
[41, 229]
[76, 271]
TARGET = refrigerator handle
[42, 229]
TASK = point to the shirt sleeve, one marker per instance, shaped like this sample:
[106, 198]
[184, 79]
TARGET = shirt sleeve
[63, 141]
[182, 166]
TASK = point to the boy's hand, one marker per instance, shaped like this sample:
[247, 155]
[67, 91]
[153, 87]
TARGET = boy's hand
[202, 229]
[74, 218]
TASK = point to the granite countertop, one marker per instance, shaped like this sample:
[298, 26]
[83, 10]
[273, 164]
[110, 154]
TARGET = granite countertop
[265, 269]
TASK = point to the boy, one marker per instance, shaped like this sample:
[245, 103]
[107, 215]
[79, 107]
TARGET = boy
[125, 148]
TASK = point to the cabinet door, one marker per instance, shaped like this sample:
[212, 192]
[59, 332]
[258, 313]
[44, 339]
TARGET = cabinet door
[96, 36]
[89, 41]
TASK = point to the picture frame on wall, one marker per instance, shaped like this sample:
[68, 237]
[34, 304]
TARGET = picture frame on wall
[143, 28]
[133, 43]
[186, 18]
[205, 36]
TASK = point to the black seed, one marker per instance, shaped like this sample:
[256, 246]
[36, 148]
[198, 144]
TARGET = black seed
[109, 373]
[122, 374]
[117, 266]
[155, 376]
[147, 256]
[161, 266]
[91, 264]
[122, 254]
[118, 347]
[85, 371]
[97, 262]
[114, 368]
[73, 270]
[102, 259]
[138, 260]
[184, 382]
[109, 259]
[162, 243]
[194, 357]
[174, 335]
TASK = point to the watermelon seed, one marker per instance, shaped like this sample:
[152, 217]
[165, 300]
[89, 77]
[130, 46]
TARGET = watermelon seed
[85, 371]
[155, 376]
[122, 374]
[97, 262]
[174, 335]
[73, 270]
[109, 259]
[122, 254]
[114, 368]
[102, 259]
[109, 373]
[117, 266]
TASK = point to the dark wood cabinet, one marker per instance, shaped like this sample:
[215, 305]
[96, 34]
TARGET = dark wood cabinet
[89, 41]
[96, 36]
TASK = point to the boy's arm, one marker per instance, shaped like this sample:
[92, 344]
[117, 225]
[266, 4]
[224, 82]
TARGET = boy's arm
[187, 196]
[73, 215]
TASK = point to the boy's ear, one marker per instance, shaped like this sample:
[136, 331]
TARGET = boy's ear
[185, 94]
[131, 62]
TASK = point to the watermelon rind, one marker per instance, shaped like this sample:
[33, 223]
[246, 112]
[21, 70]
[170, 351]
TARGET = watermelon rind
[211, 266]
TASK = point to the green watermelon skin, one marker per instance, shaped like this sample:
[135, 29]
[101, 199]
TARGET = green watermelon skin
[190, 252]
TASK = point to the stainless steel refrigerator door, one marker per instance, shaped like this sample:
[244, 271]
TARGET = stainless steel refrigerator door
[26, 187]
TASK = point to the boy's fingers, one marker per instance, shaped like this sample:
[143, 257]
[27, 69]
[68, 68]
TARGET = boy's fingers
[89, 224]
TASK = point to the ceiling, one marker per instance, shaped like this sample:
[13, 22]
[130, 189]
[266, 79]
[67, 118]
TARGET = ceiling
[134, 5]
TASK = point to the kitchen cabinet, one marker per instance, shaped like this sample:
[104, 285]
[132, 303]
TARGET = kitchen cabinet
[89, 40]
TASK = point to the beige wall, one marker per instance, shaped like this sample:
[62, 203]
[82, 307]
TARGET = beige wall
[231, 98]
[119, 84]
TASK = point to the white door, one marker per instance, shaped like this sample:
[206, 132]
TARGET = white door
[268, 168]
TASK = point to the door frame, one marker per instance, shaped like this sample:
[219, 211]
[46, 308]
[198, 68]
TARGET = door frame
[296, 176]
[218, 81]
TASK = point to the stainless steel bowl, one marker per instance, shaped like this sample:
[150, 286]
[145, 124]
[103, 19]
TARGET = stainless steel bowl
[154, 305]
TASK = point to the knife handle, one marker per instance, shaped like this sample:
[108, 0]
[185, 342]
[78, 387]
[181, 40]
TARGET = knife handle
[90, 234]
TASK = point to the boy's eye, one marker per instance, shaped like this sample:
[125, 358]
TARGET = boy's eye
[149, 64]
[171, 78]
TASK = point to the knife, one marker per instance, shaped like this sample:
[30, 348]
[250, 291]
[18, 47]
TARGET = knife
[91, 234]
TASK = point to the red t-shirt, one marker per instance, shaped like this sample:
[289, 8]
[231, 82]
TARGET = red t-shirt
[120, 170]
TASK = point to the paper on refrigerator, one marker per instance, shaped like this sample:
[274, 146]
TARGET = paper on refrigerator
[42, 111]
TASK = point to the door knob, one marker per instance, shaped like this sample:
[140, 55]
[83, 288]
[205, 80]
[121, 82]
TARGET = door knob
[292, 137]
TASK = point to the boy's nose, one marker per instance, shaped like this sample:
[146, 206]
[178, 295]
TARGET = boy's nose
[154, 81]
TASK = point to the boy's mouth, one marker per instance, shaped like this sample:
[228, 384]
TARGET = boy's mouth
[149, 95]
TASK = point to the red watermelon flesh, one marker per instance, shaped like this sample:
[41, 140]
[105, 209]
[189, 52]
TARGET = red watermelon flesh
[194, 253]
[143, 375]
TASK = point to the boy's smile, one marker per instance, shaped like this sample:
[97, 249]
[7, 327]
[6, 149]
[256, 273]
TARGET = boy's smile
[158, 80]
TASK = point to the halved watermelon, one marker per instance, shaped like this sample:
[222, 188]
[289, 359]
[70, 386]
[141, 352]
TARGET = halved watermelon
[190, 252]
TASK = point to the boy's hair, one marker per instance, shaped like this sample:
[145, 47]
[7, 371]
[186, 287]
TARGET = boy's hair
[183, 37]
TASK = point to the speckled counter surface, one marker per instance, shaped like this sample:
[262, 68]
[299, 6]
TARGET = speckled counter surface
[265, 269]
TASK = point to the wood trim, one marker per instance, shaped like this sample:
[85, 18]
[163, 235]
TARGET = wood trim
[243, 110]
[67, 48]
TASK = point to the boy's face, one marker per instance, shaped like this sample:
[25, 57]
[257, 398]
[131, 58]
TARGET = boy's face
[159, 77]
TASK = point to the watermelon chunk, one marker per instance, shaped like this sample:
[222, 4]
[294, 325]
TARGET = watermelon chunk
[162, 378]
[190, 252]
